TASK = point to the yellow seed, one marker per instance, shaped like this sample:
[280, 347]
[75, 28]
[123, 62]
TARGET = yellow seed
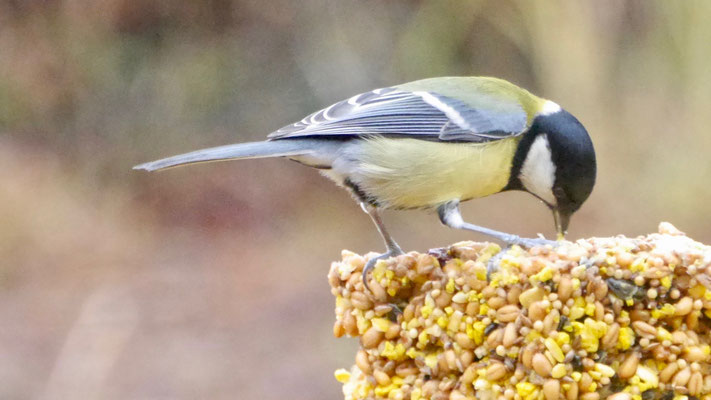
[555, 350]
[510, 335]
[626, 338]
[695, 354]
[495, 371]
[361, 301]
[692, 319]
[464, 340]
[644, 329]
[362, 362]
[342, 375]
[450, 286]
[663, 334]
[379, 293]
[590, 396]
[426, 310]
[599, 311]
[468, 375]
[683, 306]
[513, 294]
[393, 352]
[371, 338]
[647, 375]
[451, 359]
[381, 324]
[565, 288]
[527, 356]
[551, 321]
[551, 389]
[604, 370]
[350, 323]
[457, 395]
[695, 383]
[668, 372]
[541, 365]
[531, 295]
[590, 309]
[525, 389]
[495, 338]
[466, 358]
[558, 371]
[496, 302]
[628, 367]
[537, 311]
[682, 377]
[338, 329]
[544, 275]
[460, 297]
[609, 341]
[393, 331]
[585, 381]
[576, 312]
[508, 313]
[381, 377]
[679, 337]
[666, 282]
[572, 393]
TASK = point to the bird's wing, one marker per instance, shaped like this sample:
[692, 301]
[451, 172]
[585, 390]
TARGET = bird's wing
[413, 113]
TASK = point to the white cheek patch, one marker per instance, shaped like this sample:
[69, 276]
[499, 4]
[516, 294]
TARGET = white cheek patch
[549, 108]
[538, 171]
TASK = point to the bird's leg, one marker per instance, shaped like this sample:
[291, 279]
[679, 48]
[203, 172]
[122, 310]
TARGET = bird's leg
[392, 249]
[449, 215]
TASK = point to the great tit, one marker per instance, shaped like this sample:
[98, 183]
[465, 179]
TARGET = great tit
[432, 143]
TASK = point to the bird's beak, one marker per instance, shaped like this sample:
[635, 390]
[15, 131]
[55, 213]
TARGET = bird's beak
[561, 219]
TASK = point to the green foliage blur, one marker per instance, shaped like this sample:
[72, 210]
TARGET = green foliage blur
[210, 281]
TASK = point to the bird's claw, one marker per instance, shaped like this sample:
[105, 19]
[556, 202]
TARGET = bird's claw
[530, 242]
[395, 311]
[371, 264]
[493, 264]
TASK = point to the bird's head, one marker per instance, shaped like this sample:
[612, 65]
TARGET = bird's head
[556, 163]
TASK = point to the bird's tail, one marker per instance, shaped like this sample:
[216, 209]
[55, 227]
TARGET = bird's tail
[275, 148]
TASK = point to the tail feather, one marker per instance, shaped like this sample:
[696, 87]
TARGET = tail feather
[276, 148]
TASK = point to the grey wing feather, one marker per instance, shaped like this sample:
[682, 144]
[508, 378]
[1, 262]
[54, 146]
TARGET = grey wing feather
[394, 112]
[242, 151]
[501, 120]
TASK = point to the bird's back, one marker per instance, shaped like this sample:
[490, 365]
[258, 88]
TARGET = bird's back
[480, 92]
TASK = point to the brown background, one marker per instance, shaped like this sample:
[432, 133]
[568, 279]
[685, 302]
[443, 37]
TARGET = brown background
[210, 282]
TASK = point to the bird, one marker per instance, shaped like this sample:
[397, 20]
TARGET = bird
[432, 144]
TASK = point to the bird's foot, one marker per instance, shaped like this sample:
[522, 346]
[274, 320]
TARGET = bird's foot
[395, 311]
[371, 263]
[492, 265]
[513, 240]
[528, 243]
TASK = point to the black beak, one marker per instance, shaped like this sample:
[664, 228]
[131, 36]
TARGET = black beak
[561, 219]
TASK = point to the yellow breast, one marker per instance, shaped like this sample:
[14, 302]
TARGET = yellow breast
[411, 173]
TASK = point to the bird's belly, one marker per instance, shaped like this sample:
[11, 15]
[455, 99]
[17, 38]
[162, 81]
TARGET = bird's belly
[411, 173]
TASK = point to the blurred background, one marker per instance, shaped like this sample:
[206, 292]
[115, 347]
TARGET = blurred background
[210, 282]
